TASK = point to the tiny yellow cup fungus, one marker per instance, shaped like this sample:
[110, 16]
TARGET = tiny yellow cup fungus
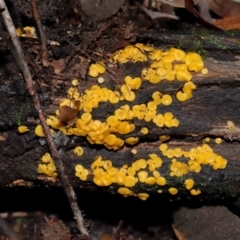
[204, 71]
[230, 125]
[125, 191]
[144, 130]
[181, 96]
[143, 196]
[207, 139]
[166, 99]
[189, 183]
[96, 69]
[161, 181]
[195, 192]
[75, 82]
[132, 140]
[47, 166]
[78, 151]
[173, 191]
[23, 129]
[100, 80]
[218, 140]
[39, 131]
[134, 151]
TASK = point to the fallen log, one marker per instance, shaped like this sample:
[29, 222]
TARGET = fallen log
[206, 115]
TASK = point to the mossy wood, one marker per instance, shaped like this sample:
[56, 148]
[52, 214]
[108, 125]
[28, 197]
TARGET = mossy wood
[216, 101]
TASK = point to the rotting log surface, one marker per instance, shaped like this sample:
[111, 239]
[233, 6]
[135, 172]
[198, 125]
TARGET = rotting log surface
[216, 100]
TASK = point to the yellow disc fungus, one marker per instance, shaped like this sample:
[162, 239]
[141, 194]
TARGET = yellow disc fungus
[100, 80]
[23, 129]
[218, 140]
[207, 139]
[75, 82]
[134, 151]
[125, 191]
[78, 151]
[150, 180]
[196, 65]
[129, 181]
[110, 139]
[181, 96]
[47, 166]
[166, 99]
[96, 69]
[143, 196]
[195, 192]
[39, 131]
[204, 71]
[142, 176]
[173, 191]
[161, 181]
[189, 183]
[132, 140]
[156, 174]
[124, 127]
[144, 130]
[230, 125]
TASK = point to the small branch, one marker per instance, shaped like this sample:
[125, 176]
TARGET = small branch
[42, 36]
[31, 89]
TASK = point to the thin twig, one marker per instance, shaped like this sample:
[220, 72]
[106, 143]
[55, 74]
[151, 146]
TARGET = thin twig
[117, 234]
[31, 89]
[42, 36]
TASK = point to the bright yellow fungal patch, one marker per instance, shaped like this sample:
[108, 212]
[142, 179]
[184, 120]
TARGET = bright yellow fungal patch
[134, 151]
[100, 80]
[181, 96]
[47, 166]
[143, 196]
[195, 192]
[161, 181]
[189, 183]
[207, 139]
[204, 71]
[23, 129]
[218, 140]
[132, 140]
[96, 69]
[39, 131]
[230, 125]
[81, 172]
[78, 151]
[75, 82]
[166, 99]
[30, 32]
[125, 191]
[118, 127]
[144, 130]
[173, 191]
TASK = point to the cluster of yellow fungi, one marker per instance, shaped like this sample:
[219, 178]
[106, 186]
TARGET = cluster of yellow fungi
[170, 65]
[47, 166]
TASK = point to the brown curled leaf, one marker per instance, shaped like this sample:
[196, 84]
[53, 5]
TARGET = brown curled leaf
[68, 114]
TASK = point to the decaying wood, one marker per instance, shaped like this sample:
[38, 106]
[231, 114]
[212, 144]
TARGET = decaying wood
[215, 102]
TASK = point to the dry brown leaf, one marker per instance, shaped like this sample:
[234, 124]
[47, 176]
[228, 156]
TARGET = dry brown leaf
[189, 4]
[225, 8]
[68, 114]
[99, 10]
[227, 23]
[207, 222]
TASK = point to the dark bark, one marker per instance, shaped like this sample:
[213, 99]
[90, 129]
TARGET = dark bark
[215, 101]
